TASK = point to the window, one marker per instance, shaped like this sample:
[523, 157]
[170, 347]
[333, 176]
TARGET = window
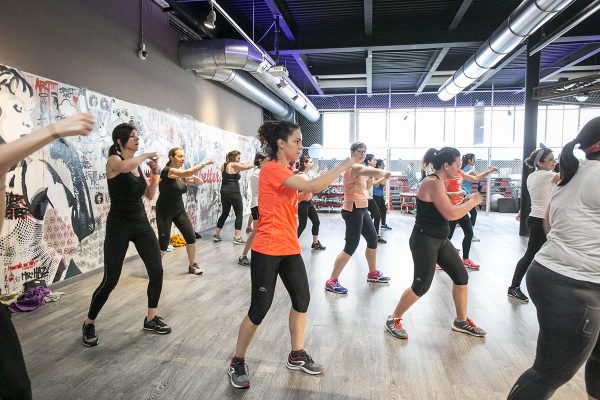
[402, 128]
[336, 129]
[372, 129]
[429, 127]
[464, 121]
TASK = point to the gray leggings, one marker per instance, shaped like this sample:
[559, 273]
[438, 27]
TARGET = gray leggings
[568, 312]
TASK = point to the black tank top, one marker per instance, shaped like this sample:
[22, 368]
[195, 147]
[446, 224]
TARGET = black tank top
[126, 191]
[170, 192]
[429, 221]
[230, 182]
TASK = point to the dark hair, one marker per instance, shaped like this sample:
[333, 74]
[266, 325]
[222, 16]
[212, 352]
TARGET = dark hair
[437, 158]
[368, 158]
[11, 79]
[589, 135]
[122, 133]
[356, 146]
[530, 161]
[378, 163]
[271, 131]
[466, 159]
[172, 154]
[258, 157]
[302, 162]
[231, 156]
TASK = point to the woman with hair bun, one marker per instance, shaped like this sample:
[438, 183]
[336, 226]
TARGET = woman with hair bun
[539, 185]
[306, 209]
[429, 242]
[276, 250]
[564, 277]
[169, 206]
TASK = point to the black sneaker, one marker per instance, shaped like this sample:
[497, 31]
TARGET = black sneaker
[302, 361]
[317, 246]
[243, 260]
[381, 240]
[89, 335]
[157, 325]
[468, 327]
[238, 374]
[385, 226]
[516, 293]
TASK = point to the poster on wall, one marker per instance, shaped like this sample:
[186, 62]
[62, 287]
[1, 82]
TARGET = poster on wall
[57, 199]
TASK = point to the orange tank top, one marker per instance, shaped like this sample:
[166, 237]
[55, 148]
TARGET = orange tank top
[355, 191]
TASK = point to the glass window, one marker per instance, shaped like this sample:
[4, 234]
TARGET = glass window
[336, 129]
[554, 126]
[402, 128]
[586, 114]
[502, 124]
[541, 125]
[372, 128]
[429, 126]
[464, 121]
[449, 126]
[570, 123]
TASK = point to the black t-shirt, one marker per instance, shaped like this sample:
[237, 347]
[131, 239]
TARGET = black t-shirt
[126, 191]
[230, 182]
[170, 191]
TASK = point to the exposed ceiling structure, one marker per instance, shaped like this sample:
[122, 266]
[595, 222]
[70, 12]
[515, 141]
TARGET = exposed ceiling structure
[337, 47]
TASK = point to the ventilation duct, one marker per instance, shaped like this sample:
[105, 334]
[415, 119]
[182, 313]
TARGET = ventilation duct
[522, 23]
[235, 63]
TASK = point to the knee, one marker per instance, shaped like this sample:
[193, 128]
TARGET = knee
[156, 275]
[372, 243]
[350, 247]
[461, 279]
[419, 287]
[301, 304]
[258, 312]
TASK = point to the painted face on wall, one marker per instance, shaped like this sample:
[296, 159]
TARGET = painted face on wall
[15, 113]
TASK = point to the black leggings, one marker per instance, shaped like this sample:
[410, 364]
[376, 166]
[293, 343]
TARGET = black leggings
[375, 214]
[358, 223]
[465, 224]
[119, 232]
[568, 312]
[14, 381]
[306, 210]
[227, 201]
[473, 214]
[263, 274]
[426, 252]
[164, 220]
[380, 201]
[537, 237]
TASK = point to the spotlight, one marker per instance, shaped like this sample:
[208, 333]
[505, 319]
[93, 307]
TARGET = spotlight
[211, 18]
[281, 83]
[582, 97]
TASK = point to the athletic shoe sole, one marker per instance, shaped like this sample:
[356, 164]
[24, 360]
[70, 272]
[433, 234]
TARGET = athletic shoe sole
[518, 299]
[374, 280]
[335, 291]
[467, 332]
[394, 335]
[90, 344]
[160, 333]
[236, 385]
[301, 368]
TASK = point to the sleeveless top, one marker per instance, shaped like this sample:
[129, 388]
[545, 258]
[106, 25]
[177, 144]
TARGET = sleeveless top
[170, 192]
[230, 182]
[354, 191]
[429, 221]
[126, 191]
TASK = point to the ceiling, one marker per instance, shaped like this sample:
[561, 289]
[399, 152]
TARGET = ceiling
[342, 46]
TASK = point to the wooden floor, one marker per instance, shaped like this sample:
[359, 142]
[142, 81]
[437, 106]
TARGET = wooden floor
[345, 333]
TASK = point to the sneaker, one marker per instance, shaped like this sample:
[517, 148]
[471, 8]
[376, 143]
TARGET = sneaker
[317, 246]
[194, 269]
[238, 240]
[468, 327]
[170, 248]
[517, 294]
[334, 286]
[217, 238]
[89, 335]
[386, 226]
[238, 374]
[475, 239]
[243, 260]
[381, 240]
[378, 277]
[249, 230]
[157, 325]
[470, 264]
[394, 327]
[299, 360]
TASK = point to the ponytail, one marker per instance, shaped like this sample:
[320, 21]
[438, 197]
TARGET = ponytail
[271, 131]
[120, 133]
[589, 141]
[437, 158]
[568, 163]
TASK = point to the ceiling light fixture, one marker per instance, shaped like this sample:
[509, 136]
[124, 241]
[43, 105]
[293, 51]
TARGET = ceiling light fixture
[211, 18]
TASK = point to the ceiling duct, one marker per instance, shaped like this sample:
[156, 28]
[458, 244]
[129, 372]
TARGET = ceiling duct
[229, 61]
[522, 23]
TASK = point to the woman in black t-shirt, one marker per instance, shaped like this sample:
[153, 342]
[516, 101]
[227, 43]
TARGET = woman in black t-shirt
[169, 207]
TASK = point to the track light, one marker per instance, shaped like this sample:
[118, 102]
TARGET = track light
[582, 97]
[281, 83]
[211, 18]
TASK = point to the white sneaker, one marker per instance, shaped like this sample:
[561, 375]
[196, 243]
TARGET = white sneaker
[475, 239]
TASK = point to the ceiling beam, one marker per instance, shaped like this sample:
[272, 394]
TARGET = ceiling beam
[435, 62]
[396, 47]
[460, 13]
[300, 61]
[368, 17]
[490, 74]
[570, 60]
[278, 8]
[369, 69]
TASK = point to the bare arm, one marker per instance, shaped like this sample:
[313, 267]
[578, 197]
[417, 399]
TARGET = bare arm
[379, 181]
[435, 191]
[152, 184]
[363, 170]
[320, 183]
[546, 221]
[193, 180]
[116, 165]
[186, 173]
[555, 178]
[478, 177]
[237, 167]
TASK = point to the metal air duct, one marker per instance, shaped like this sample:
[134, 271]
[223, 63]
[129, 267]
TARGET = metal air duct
[229, 61]
[522, 23]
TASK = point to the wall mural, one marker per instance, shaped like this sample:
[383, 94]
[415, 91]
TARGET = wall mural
[57, 199]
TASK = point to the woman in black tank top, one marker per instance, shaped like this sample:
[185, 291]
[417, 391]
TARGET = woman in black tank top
[231, 195]
[429, 243]
[127, 222]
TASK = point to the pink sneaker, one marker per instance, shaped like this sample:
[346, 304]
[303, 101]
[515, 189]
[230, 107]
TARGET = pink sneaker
[470, 264]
